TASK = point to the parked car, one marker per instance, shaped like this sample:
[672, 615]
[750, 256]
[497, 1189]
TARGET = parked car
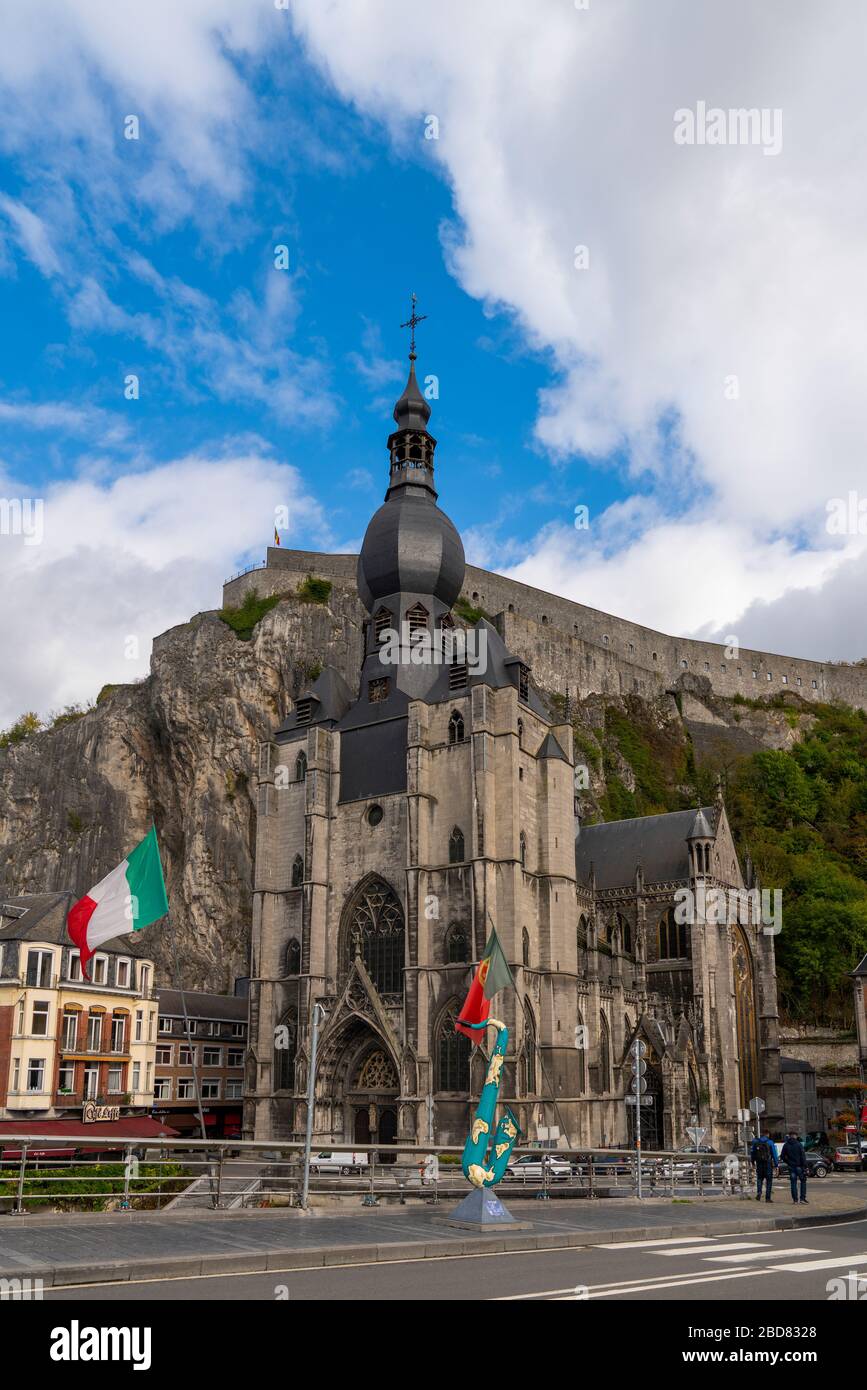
[342, 1161]
[530, 1168]
[848, 1157]
[818, 1165]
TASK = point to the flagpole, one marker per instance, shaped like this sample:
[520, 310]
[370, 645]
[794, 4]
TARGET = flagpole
[190, 1044]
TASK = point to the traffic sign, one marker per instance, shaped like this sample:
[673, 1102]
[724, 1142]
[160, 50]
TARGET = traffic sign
[639, 1100]
[757, 1105]
[638, 1085]
[639, 1067]
[640, 1048]
[696, 1134]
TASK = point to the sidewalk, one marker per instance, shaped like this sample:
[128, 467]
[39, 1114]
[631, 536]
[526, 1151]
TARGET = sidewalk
[87, 1249]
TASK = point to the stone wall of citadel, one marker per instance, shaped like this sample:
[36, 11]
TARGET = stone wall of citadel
[566, 643]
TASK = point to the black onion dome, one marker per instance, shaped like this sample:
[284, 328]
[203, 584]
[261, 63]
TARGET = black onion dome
[412, 547]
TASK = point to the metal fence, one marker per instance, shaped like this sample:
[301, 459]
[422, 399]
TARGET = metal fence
[49, 1174]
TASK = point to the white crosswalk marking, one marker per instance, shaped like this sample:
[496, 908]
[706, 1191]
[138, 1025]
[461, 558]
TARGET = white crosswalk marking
[766, 1254]
[648, 1244]
[804, 1266]
[733, 1245]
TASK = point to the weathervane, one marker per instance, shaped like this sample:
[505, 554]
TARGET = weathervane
[411, 322]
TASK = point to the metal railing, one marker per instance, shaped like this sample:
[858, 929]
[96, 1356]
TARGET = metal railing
[76, 1173]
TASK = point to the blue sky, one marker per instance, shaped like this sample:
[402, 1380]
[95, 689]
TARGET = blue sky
[303, 124]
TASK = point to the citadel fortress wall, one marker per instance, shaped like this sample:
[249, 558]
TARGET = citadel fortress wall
[567, 644]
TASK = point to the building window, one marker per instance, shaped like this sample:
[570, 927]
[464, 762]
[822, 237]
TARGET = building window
[239, 1030]
[297, 871]
[39, 969]
[145, 979]
[672, 938]
[457, 675]
[39, 1026]
[303, 710]
[815, 685]
[66, 1077]
[285, 1043]
[162, 1088]
[301, 766]
[523, 683]
[123, 974]
[457, 945]
[75, 972]
[381, 624]
[604, 1055]
[69, 1040]
[456, 846]
[166, 1025]
[135, 1083]
[374, 816]
[99, 970]
[115, 1080]
[94, 1032]
[416, 619]
[522, 849]
[375, 927]
[377, 690]
[118, 1033]
[235, 1057]
[293, 957]
[684, 663]
[453, 1054]
[456, 728]
[234, 1090]
[186, 1089]
[654, 656]
[525, 946]
[605, 639]
[36, 1074]
[529, 1057]
[186, 1055]
[212, 1056]
[163, 1056]
[770, 675]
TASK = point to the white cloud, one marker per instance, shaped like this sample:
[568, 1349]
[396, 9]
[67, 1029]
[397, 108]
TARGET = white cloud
[32, 235]
[706, 263]
[127, 557]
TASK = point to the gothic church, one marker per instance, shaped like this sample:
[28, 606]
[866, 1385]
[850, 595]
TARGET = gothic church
[398, 822]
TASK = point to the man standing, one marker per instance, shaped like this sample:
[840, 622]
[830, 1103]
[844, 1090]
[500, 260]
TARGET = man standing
[763, 1157]
[794, 1155]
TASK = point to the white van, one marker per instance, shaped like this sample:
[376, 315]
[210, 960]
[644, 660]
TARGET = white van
[343, 1162]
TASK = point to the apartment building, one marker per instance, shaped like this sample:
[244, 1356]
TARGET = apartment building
[72, 1048]
[212, 1053]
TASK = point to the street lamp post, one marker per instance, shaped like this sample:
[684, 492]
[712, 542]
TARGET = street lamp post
[318, 1013]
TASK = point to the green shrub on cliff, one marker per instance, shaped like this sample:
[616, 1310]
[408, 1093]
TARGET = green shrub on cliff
[243, 619]
[314, 590]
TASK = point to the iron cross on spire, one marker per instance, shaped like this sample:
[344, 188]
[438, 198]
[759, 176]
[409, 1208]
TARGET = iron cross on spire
[411, 322]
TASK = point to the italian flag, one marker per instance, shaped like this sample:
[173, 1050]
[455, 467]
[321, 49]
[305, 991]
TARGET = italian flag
[131, 897]
[492, 975]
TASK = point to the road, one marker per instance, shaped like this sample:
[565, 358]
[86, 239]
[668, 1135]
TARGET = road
[777, 1266]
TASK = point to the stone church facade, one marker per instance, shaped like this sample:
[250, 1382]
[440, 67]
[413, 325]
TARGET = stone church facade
[401, 821]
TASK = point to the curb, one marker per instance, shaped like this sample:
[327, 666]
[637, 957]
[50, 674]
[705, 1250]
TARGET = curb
[288, 1260]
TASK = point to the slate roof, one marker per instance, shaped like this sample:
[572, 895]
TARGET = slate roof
[44, 919]
[862, 968]
[615, 848]
[202, 1005]
[330, 696]
[551, 749]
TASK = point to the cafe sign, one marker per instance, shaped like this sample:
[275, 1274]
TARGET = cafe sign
[93, 1113]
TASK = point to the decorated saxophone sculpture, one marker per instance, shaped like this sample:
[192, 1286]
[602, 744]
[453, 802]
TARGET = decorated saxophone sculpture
[482, 1167]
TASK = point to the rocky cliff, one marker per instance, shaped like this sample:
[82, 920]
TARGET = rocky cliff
[179, 748]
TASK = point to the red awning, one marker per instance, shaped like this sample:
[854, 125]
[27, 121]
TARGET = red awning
[74, 1131]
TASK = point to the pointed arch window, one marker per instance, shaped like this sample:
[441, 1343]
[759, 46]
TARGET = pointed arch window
[453, 1052]
[604, 1083]
[297, 871]
[672, 938]
[375, 926]
[581, 1044]
[522, 849]
[293, 957]
[525, 946]
[456, 727]
[625, 934]
[301, 766]
[529, 1058]
[285, 1046]
[456, 846]
[457, 944]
